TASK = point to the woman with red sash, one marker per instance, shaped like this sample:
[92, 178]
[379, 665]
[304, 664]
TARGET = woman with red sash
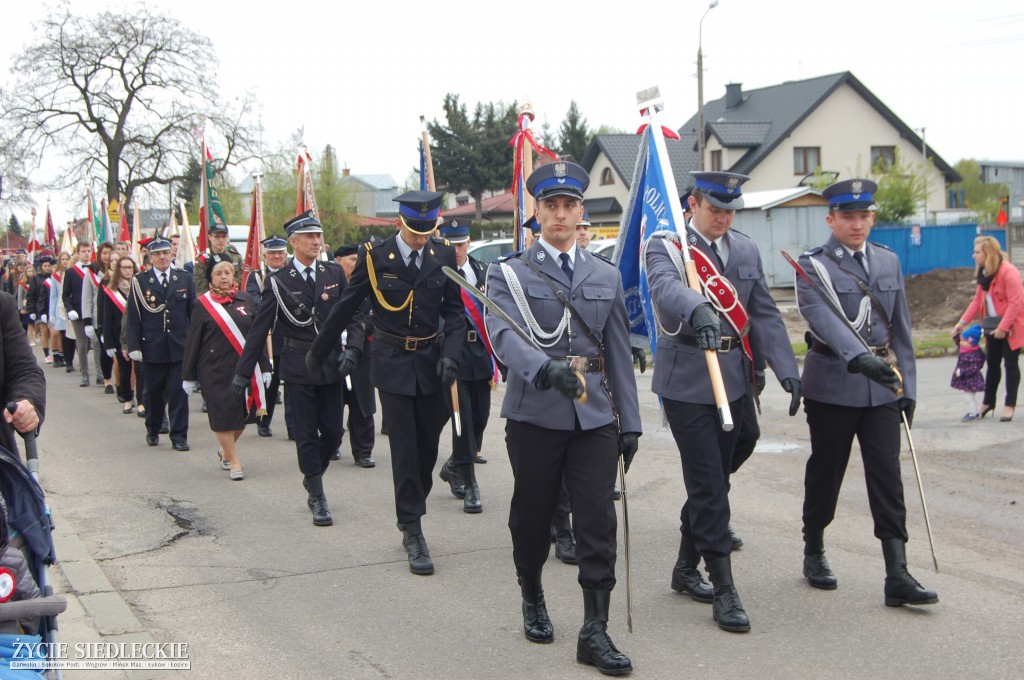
[220, 321]
[114, 292]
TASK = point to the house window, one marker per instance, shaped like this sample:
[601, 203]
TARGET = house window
[716, 160]
[607, 177]
[883, 157]
[462, 200]
[806, 159]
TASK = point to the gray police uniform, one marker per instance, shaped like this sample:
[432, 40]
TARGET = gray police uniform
[840, 404]
[681, 377]
[548, 435]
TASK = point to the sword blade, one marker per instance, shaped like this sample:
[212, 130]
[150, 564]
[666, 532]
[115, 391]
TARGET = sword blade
[625, 541]
[490, 304]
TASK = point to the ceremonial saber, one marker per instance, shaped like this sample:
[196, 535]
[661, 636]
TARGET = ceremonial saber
[651, 103]
[625, 540]
[834, 307]
[456, 419]
[581, 396]
[920, 488]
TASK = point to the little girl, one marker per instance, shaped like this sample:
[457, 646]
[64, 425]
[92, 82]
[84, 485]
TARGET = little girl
[967, 376]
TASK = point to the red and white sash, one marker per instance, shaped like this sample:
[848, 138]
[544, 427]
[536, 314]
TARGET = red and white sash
[255, 395]
[92, 277]
[116, 297]
[79, 270]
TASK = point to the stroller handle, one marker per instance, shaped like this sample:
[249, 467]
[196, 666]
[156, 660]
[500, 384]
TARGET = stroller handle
[31, 452]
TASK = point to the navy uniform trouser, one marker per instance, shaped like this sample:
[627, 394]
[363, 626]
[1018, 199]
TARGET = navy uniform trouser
[587, 460]
[414, 423]
[877, 429]
[705, 451]
[317, 413]
[165, 379]
[474, 410]
[360, 427]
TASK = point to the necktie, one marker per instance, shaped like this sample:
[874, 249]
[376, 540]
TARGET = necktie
[564, 257]
[859, 256]
[309, 280]
[412, 261]
[163, 279]
[718, 256]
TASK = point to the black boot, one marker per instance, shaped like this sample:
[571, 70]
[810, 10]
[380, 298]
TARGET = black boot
[450, 474]
[686, 576]
[736, 541]
[536, 624]
[816, 568]
[565, 541]
[594, 647]
[317, 501]
[471, 502]
[728, 610]
[416, 545]
[900, 586]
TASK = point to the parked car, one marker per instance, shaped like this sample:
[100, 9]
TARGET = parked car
[605, 247]
[489, 250]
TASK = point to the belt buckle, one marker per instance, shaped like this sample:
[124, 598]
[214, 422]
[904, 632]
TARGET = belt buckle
[577, 363]
[410, 344]
[726, 344]
[471, 336]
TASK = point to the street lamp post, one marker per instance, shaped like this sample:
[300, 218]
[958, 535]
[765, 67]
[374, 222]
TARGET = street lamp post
[700, 86]
[924, 156]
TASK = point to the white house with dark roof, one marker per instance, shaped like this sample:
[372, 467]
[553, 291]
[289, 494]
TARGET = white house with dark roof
[778, 135]
[371, 195]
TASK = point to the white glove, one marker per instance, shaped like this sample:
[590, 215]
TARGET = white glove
[72, 315]
[266, 380]
[111, 353]
[135, 355]
[44, 318]
[190, 386]
[90, 333]
[32, 317]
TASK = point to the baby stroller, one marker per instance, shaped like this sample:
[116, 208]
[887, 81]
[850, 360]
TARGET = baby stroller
[28, 607]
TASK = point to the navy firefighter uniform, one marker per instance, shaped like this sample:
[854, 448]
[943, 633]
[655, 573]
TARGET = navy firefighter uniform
[298, 298]
[550, 435]
[412, 363]
[158, 313]
[850, 385]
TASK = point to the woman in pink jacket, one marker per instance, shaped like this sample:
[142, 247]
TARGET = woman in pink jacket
[1000, 300]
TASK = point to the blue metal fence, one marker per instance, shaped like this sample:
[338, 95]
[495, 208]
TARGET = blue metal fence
[922, 249]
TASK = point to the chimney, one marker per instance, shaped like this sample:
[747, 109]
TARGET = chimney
[733, 95]
[345, 172]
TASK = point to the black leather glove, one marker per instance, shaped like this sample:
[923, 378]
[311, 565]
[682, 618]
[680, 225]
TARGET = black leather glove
[704, 321]
[628, 444]
[347, 361]
[875, 369]
[792, 385]
[759, 381]
[239, 385]
[558, 375]
[447, 370]
[640, 357]
[313, 362]
[907, 406]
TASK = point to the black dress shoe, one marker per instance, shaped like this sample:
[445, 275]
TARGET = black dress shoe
[737, 542]
[182, 446]
[472, 503]
[204, 409]
[366, 462]
[152, 439]
[165, 427]
[416, 545]
[818, 573]
[109, 389]
[480, 460]
[321, 513]
[336, 455]
[69, 368]
[565, 547]
[450, 475]
[264, 431]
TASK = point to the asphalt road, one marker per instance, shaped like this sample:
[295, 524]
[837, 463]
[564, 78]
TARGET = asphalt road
[238, 571]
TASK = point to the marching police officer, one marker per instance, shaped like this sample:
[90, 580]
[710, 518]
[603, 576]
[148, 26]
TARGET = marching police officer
[412, 362]
[690, 325]
[298, 298]
[851, 391]
[478, 372]
[275, 257]
[550, 435]
[359, 398]
[158, 313]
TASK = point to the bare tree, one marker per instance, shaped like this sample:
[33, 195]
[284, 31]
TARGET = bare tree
[121, 95]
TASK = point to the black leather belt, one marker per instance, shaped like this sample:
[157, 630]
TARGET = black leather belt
[729, 342]
[292, 343]
[409, 344]
[471, 336]
[586, 364]
[822, 348]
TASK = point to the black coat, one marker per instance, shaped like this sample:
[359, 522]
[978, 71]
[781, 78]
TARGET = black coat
[20, 375]
[211, 358]
[295, 294]
[436, 297]
[110, 319]
[74, 281]
[475, 363]
[254, 287]
[160, 335]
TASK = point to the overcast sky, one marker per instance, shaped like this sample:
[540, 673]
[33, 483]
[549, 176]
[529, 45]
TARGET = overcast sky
[357, 75]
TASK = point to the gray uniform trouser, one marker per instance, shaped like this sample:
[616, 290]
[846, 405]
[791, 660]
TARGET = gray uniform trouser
[82, 346]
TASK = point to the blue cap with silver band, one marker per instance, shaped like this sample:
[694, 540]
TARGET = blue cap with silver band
[721, 189]
[274, 243]
[305, 223]
[455, 230]
[851, 194]
[560, 178]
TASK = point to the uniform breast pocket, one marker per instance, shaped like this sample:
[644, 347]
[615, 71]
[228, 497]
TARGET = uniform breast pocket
[394, 290]
[544, 304]
[595, 305]
[887, 288]
[746, 276]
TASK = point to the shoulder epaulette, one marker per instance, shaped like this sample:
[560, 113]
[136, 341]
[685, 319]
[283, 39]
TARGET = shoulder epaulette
[813, 251]
[510, 256]
[601, 257]
[740, 233]
[439, 240]
[881, 245]
[368, 245]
